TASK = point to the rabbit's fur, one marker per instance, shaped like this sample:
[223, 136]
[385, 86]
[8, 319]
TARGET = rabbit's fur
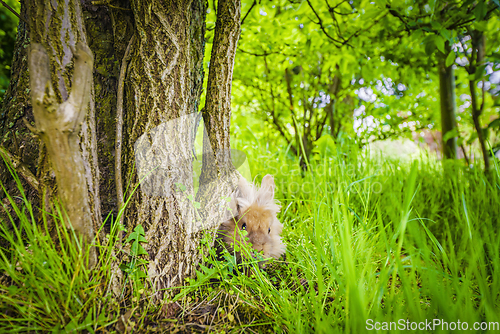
[254, 210]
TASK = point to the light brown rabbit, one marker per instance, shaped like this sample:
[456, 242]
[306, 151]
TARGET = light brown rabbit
[254, 210]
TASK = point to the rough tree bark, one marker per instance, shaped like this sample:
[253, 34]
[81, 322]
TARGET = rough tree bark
[61, 82]
[60, 32]
[163, 90]
[163, 83]
[58, 125]
[448, 106]
[109, 30]
[16, 138]
[61, 29]
[217, 163]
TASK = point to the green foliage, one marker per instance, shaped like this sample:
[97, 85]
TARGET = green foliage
[135, 267]
[45, 282]
[8, 31]
[385, 56]
[366, 239]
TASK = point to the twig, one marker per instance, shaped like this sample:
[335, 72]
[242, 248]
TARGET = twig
[21, 168]
[465, 154]
[12, 11]
[259, 54]
[321, 126]
[119, 130]
[320, 22]
[251, 7]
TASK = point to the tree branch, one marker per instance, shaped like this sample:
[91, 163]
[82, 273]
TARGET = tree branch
[251, 7]
[14, 12]
[58, 125]
[320, 22]
[217, 164]
[119, 130]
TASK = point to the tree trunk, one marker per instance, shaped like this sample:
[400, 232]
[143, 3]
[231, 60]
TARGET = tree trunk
[163, 84]
[330, 108]
[108, 33]
[163, 91]
[16, 138]
[448, 107]
[59, 36]
[477, 58]
[218, 176]
[61, 82]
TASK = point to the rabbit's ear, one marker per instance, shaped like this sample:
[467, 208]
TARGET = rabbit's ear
[245, 189]
[233, 209]
[265, 194]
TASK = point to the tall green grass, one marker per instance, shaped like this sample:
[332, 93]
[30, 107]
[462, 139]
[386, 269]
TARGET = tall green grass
[371, 241]
[368, 240]
[45, 282]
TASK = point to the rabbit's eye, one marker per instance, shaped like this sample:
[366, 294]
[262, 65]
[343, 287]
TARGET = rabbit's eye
[269, 231]
[244, 226]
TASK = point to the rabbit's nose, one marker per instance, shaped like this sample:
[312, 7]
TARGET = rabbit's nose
[258, 247]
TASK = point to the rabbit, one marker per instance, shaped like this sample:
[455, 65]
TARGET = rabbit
[254, 210]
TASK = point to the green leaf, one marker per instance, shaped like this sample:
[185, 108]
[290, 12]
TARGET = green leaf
[495, 56]
[180, 186]
[439, 41]
[125, 266]
[480, 25]
[381, 3]
[139, 229]
[495, 123]
[479, 72]
[436, 25]
[429, 44]
[472, 138]
[480, 10]
[467, 3]
[133, 236]
[325, 145]
[137, 249]
[446, 34]
[450, 134]
[450, 59]
[72, 326]
[418, 34]
[141, 274]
